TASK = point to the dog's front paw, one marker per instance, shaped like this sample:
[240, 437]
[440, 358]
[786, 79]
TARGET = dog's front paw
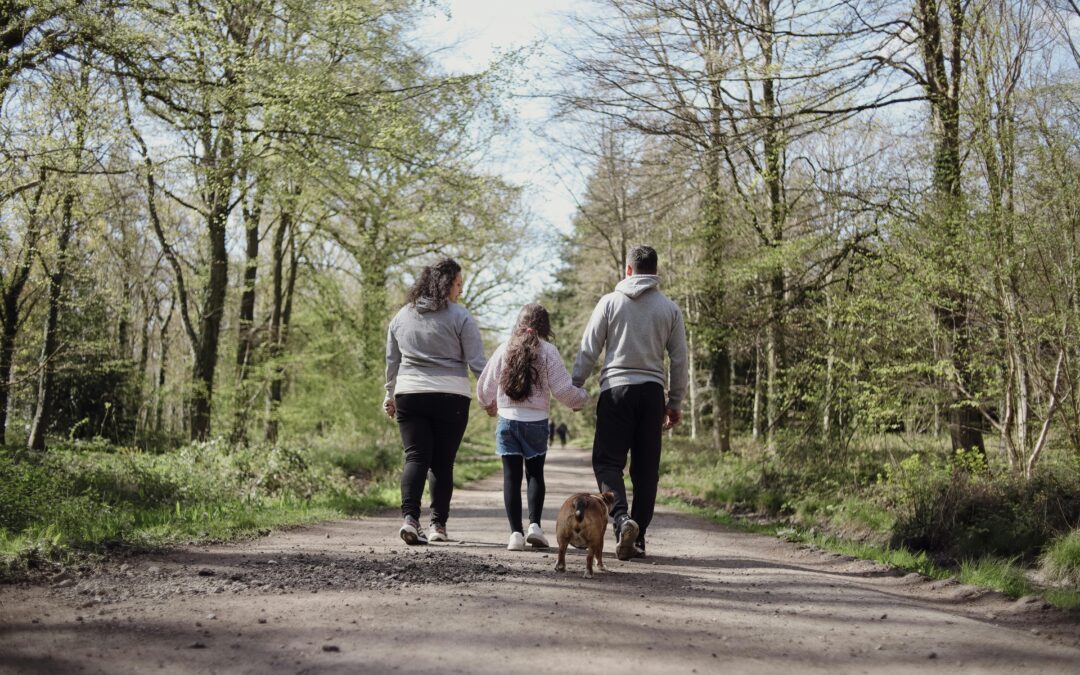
[588, 574]
[560, 567]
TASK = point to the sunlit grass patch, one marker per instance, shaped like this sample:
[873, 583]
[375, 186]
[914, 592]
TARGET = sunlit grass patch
[997, 573]
[1060, 562]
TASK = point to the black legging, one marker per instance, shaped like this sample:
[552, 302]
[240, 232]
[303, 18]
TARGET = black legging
[534, 472]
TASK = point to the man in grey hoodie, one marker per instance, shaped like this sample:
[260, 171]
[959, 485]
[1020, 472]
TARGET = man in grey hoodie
[635, 325]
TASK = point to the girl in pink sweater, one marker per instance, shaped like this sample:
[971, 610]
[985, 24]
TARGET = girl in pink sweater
[518, 381]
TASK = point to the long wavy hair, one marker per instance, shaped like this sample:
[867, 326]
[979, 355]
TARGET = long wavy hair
[435, 282]
[521, 372]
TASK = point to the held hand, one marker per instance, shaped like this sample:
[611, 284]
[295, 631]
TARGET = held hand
[389, 408]
[673, 417]
[492, 409]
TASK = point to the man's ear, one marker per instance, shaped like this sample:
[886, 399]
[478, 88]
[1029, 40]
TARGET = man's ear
[629, 271]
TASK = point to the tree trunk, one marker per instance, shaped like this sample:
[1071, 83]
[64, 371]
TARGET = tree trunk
[12, 294]
[246, 339]
[720, 376]
[279, 315]
[43, 410]
[221, 175]
[942, 84]
[693, 383]
[163, 339]
[756, 420]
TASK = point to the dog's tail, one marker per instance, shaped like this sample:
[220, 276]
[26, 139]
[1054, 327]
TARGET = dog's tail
[579, 507]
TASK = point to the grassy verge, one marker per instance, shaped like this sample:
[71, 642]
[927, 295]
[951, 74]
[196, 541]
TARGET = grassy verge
[880, 513]
[77, 502]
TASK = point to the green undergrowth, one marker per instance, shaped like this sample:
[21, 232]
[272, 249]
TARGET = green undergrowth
[76, 501]
[912, 506]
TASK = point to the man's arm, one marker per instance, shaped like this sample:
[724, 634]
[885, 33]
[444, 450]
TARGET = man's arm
[592, 342]
[679, 357]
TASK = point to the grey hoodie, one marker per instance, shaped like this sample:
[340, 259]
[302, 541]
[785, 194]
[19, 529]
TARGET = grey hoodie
[431, 338]
[637, 324]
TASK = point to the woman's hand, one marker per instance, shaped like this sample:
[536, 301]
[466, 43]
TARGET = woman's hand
[492, 409]
[389, 408]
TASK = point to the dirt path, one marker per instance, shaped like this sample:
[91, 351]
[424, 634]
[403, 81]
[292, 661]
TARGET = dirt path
[349, 597]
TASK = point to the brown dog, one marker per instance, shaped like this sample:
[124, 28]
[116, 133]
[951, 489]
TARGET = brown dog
[582, 522]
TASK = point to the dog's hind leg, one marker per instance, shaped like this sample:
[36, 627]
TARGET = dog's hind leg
[560, 566]
[588, 564]
[600, 559]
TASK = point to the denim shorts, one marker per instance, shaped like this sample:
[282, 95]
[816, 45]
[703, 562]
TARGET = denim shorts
[529, 439]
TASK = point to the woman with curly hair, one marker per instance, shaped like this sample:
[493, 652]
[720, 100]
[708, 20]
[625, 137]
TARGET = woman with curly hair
[431, 345]
[518, 382]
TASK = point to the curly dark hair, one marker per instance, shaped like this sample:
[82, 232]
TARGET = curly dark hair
[435, 282]
[520, 374]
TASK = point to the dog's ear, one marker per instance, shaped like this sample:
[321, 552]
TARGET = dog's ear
[609, 497]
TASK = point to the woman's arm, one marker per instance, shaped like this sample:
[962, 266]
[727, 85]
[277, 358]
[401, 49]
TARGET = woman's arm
[472, 346]
[393, 360]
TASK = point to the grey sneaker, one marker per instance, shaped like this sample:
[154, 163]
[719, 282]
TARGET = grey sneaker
[437, 532]
[627, 535]
[411, 533]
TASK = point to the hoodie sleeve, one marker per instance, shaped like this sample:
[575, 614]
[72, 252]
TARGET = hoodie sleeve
[487, 386]
[559, 383]
[393, 360]
[592, 342]
[472, 345]
[677, 353]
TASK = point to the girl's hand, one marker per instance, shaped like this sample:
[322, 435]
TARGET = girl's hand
[389, 408]
[492, 409]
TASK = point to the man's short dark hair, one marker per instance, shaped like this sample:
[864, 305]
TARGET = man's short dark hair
[642, 259]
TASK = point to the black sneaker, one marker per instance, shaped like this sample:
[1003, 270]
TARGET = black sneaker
[626, 534]
[411, 533]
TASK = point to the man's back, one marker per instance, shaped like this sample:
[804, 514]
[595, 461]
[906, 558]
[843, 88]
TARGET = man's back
[635, 325]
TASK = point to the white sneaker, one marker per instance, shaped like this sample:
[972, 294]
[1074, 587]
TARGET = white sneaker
[516, 543]
[536, 536]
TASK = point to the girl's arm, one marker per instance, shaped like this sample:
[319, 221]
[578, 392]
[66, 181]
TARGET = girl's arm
[487, 386]
[559, 382]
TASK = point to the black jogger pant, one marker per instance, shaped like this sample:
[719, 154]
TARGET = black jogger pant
[431, 426]
[630, 419]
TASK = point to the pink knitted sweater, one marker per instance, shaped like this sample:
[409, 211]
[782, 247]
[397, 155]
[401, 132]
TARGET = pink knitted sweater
[554, 381]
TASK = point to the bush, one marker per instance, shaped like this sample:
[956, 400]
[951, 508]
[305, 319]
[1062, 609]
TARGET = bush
[959, 510]
[1060, 561]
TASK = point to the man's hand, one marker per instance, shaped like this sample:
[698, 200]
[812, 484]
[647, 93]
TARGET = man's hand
[492, 409]
[389, 408]
[672, 418]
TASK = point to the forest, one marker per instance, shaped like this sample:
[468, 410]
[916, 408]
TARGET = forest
[867, 211]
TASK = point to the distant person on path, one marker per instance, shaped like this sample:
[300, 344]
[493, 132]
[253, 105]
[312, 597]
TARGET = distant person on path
[551, 431]
[517, 384]
[431, 345]
[634, 325]
[562, 430]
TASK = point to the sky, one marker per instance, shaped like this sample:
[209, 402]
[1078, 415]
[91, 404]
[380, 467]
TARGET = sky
[480, 30]
[477, 32]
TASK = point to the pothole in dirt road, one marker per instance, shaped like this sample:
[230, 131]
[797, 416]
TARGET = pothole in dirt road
[283, 573]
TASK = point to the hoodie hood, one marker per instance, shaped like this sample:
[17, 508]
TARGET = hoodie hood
[634, 286]
[425, 304]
